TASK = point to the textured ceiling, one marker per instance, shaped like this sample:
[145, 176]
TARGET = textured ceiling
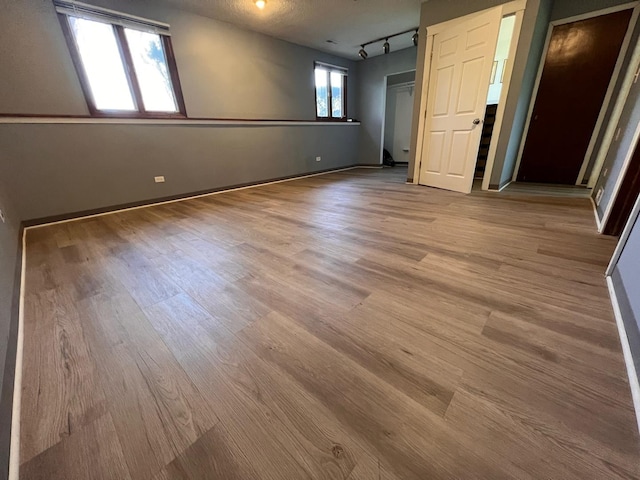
[348, 23]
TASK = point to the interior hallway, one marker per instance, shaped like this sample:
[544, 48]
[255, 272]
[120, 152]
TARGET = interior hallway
[339, 326]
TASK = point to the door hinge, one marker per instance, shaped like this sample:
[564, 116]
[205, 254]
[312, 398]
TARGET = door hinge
[635, 79]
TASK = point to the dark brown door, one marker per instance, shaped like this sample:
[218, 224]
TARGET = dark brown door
[626, 197]
[574, 82]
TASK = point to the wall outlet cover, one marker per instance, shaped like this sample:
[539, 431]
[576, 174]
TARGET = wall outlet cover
[318, 159]
[159, 179]
[2, 216]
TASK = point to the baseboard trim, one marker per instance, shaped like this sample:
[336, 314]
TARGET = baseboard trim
[505, 185]
[13, 408]
[74, 216]
[370, 165]
[595, 214]
[626, 350]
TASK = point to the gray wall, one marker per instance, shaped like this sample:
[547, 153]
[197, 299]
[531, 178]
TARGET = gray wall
[371, 96]
[225, 72]
[619, 148]
[525, 70]
[570, 8]
[8, 259]
[72, 168]
[531, 43]
[626, 282]
[619, 91]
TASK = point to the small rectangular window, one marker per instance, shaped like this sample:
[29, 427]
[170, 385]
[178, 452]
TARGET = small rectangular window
[125, 63]
[331, 92]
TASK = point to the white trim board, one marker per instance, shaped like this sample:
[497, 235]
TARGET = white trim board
[191, 197]
[502, 103]
[161, 121]
[624, 48]
[621, 176]
[612, 127]
[14, 448]
[595, 214]
[626, 233]
[626, 351]
[610, 89]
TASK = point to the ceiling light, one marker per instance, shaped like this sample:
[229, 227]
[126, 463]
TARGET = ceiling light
[386, 48]
[261, 4]
[415, 38]
[363, 53]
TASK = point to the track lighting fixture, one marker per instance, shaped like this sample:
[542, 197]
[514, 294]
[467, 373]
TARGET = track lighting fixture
[386, 46]
[261, 4]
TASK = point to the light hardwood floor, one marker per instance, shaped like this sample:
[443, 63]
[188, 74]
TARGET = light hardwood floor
[345, 326]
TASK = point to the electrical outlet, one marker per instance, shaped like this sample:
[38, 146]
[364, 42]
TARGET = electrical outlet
[599, 195]
[605, 172]
[318, 159]
[2, 215]
[159, 179]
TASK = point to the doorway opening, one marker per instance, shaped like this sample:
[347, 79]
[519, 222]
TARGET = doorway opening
[398, 117]
[566, 115]
[498, 70]
[468, 68]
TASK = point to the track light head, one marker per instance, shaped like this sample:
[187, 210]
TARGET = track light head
[415, 38]
[386, 48]
[363, 53]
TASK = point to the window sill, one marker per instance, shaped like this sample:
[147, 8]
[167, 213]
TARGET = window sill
[113, 120]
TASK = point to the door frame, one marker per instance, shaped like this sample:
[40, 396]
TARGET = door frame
[515, 7]
[610, 89]
[384, 107]
[635, 143]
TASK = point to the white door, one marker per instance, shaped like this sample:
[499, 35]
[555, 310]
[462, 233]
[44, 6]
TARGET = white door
[458, 86]
[402, 130]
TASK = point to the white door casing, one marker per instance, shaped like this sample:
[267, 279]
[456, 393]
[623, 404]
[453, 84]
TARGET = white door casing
[460, 73]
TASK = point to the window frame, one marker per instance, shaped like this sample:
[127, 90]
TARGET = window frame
[129, 69]
[344, 72]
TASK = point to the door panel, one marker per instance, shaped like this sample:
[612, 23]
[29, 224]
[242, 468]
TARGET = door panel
[458, 86]
[575, 78]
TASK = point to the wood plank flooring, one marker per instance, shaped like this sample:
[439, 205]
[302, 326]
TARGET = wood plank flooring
[345, 326]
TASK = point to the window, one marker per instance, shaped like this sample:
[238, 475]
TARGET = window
[331, 92]
[125, 64]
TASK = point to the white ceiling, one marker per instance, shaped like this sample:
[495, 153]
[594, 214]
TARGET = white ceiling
[349, 23]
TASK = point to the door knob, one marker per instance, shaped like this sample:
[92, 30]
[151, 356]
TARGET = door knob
[477, 121]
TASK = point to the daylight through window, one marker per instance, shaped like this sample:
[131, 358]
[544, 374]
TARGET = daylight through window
[125, 64]
[331, 92]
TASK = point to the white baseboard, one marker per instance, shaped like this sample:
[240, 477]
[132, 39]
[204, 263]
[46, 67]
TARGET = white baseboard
[626, 350]
[14, 449]
[191, 197]
[595, 214]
